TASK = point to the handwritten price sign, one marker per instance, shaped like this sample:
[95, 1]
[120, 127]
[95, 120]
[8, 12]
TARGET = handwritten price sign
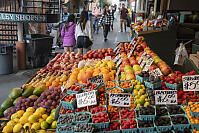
[166, 97]
[144, 61]
[120, 99]
[148, 64]
[86, 99]
[96, 79]
[116, 58]
[190, 83]
[156, 72]
[119, 62]
[141, 58]
[132, 50]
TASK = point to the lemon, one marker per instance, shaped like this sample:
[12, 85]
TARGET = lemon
[44, 116]
[23, 120]
[52, 114]
[41, 120]
[30, 109]
[35, 126]
[27, 114]
[20, 113]
[17, 128]
[53, 110]
[33, 119]
[37, 114]
[8, 129]
[146, 104]
[13, 116]
[50, 119]
[138, 105]
[44, 125]
[54, 125]
[11, 123]
[16, 120]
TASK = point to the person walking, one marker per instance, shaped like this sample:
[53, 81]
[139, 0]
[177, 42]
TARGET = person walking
[112, 12]
[123, 17]
[97, 13]
[107, 20]
[83, 33]
[68, 34]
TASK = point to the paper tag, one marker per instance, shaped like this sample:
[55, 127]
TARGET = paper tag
[144, 61]
[119, 62]
[116, 48]
[190, 83]
[166, 97]
[148, 64]
[120, 99]
[96, 79]
[86, 99]
[156, 72]
[62, 88]
[141, 58]
[116, 58]
[132, 50]
[132, 41]
[117, 74]
[136, 33]
[108, 58]
[156, 21]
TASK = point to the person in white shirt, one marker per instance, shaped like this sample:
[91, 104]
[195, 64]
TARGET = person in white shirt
[83, 33]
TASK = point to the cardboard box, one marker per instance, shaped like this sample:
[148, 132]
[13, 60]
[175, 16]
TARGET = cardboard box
[195, 59]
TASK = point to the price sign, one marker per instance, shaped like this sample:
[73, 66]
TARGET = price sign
[96, 79]
[132, 41]
[120, 99]
[116, 58]
[141, 58]
[148, 64]
[132, 50]
[156, 72]
[168, 97]
[119, 62]
[144, 61]
[86, 99]
[190, 83]
[117, 74]
[156, 21]
[116, 48]
[108, 58]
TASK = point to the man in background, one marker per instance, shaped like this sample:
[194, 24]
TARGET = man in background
[97, 13]
[123, 17]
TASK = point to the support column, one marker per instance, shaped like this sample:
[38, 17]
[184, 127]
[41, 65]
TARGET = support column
[142, 5]
[162, 6]
[137, 6]
[155, 6]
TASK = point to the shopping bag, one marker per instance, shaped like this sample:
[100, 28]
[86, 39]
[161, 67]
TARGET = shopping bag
[181, 55]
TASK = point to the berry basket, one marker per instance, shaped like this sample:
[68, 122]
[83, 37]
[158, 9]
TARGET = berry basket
[97, 88]
[147, 117]
[92, 129]
[65, 115]
[77, 113]
[75, 92]
[116, 82]
[101, 125]
[130, 130]
[127, 89]
[164, 128]
[195, 126]
[101, 111]
[141, 79]
[172, 86]
[64, 131]
[193, 114]
[178, 113]
[181, 127]
[113, 88]
[68, 105]
[154, 85]
[146, 129]
[112, 131]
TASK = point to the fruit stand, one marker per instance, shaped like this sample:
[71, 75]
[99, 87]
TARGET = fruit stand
[127, 89]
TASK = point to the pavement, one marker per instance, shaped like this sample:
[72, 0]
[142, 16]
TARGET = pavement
[20, 77]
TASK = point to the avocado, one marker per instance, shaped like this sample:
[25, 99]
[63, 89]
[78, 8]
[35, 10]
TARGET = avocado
[7, 103]
[28, 91]
[15, 93]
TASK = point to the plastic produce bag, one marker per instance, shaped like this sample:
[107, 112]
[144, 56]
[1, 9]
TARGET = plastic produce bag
[181, 55]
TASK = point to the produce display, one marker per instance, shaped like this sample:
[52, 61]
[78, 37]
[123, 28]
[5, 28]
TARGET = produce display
[115, 90]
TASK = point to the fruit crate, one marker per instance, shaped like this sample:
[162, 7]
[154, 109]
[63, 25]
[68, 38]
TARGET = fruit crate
[75, 92]
[193, 114]
[180, 107]
[101, 125]
[62, 115]
[164, 128]
[172, 86]
[127, 89]
[128, 110]
[99, 112]
[195, 126]
[92, 130]
[141, 79]
[65, 131]
[145, 28]
[147, 129]
[130, 130]
[97, 88]
[113, 131]
[69, 105]
[77, 122]
[181, 127]
[147, 117]
[154, 85]
[113, 86]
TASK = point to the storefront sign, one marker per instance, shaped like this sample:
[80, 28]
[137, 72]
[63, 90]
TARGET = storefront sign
[18, 17]
[120, 99]
[166, 97]
[190, 83]
[96, 79]
[86, 99]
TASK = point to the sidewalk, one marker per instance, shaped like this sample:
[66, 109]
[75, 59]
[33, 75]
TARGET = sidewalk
[18, 78]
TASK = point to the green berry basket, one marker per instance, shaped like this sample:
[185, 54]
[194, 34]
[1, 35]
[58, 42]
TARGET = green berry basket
[86, 121]
[127, 89]
[180, 127]
[92, 130]
[180, 106]
[75, 92]
[147, 129]
[130, 130]
[141, 79]
[147, 117]
[100, 112]
[69, 105]
[154, 85]
[164, 128]
[113, 86]
[195, 126]
[101, 125]
[172, 86]
[194, 114]
[128, 110]
[65, 115]
[64, 131]
[113, 131]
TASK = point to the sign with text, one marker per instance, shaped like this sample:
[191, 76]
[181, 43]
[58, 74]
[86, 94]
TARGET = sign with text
[119, 62]
[141, 58]
[86, 99]
[166, 97]
[132, 50]
[132, 41]
[108, 58]
[116, 48]
[19, 17]
[116, 58]
[144, 61]
[120, 99]
[117, 74]
[156, 72]
[190, 83]
[148, 64]
[96, 79]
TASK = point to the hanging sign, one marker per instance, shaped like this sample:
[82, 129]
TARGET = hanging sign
[141, 58]
[156, 72]
[190, 83]
[86, 99]
[132, 50]
[96, 79]
[166, 97]
[148, 64]
[144, 61]
[19, 17]
[120, 99]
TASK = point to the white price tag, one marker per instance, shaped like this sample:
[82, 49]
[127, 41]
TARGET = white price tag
[96, 79]
[148, 64]
[108, 58]
[132, 50]
[86, 99]
[120, 99]
[190, 83]
[156, 72]
[132, 41]
[156, 21]
[117, 74]
[116, 48]
[141, 58]
[116, 58]
[166, 97]
[119, 62]
[160, 17]
[62, 88]
[144, 61]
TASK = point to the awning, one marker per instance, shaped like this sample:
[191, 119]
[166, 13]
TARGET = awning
[131, 1]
